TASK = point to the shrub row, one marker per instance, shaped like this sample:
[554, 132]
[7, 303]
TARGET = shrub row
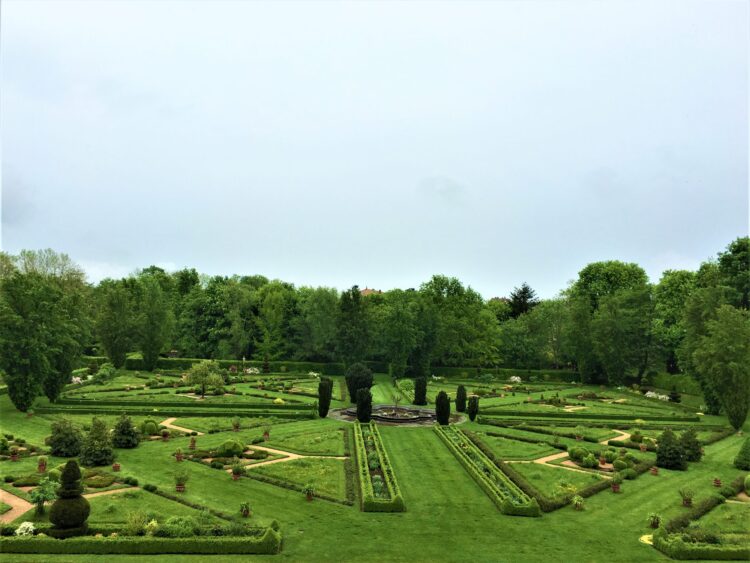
[565, 376]
[672, 545]
[181, 404]
[632, 445]
[146, 410]
[267, 544]
[369, 502]
[526, 439]
[499, 412]
[508, 497]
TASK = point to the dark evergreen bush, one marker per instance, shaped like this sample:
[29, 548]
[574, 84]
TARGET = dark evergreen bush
[691, 445]
[742, 461]
[97, 446]
[669, 453]
[674, 395]
[70, 510]
[358, 376]
[325, 390]
[443, 408]
[420, 391]
[66, 439]
[364, 404]
[473, 407]
[125, 435]
[461, 399]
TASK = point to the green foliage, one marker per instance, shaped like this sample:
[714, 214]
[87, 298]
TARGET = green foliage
[155, 321]
[420, 391]
[358, 376]
[116, 319]
[44, 492]
[461, 399]
[670, 453]
[125, 435]
[691, 445]
[66, 439]
[364, 405]
[70, 510]
[742, 461]
[325, 392]
[352, 328]
[205, 374]
[97, 446]
[149, 427]
[723, 356]
[230, 448]
[473, 407]
[522, 300]
[442, 408]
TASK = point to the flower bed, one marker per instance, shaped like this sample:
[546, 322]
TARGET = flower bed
[378, 486]
[502, 491]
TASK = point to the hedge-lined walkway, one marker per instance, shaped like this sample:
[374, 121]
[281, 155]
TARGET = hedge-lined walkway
[18, 506]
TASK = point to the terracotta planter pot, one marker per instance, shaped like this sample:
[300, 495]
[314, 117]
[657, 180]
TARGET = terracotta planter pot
[717, 482]
[192, 443]
[654, 470]
[654, 525]
[615, 488]
[235, 477]
[165, 438]
[179, 488]
[115, 467]
[602, 461]
[41, 468]
[579, 438]
[14, 457]
[266, 436]
[643, 447]
[178, 457]
[245, 513]
[309, 496]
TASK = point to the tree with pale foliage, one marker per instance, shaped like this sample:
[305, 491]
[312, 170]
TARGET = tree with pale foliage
[205, 374]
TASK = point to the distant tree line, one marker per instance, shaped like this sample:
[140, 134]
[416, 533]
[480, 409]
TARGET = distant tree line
[611, 324]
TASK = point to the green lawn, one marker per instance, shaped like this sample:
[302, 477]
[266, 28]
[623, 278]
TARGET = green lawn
[325, 474]
[330, 442]
[505, 448]
[553, 481]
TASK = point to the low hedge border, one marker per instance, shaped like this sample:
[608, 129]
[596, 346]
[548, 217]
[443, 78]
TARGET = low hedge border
[183, 404]
[705, 506]
[501, 499]
[146, 410]
[267, 544]
[631, 445]
[673, 546]
[368, 501]
[499, 413]
[549, 443]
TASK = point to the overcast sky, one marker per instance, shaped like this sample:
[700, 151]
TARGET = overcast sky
[375, 143]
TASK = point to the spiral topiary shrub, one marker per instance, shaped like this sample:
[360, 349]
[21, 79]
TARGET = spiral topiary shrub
[70, 510]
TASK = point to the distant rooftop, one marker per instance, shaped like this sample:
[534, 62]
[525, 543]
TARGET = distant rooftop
[367, 291]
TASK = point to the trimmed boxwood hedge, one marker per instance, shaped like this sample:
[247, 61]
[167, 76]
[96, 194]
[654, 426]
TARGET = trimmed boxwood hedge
[672, 545]
[267, 544]
[498, 412]
[268, 405]
[369, 502]
[179, 409]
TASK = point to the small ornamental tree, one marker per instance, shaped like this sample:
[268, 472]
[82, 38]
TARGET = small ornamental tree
[669, 453]
[66, 439]
[70, 510]
[420, 391]
[443, 408]
[125, 435]
[364, 405]
[97, 446]
[206, 373]
[473, 407]
[742, 461]
[358, 376]
[325, 390]
[691, 445]
[461, 399]
[44, 492]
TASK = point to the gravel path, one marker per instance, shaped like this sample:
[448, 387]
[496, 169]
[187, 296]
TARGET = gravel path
[169, 423]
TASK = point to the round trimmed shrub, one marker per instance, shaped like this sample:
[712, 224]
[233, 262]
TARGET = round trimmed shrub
[125, 435]
[66, 439]
[230, 448]
[150, 427]
[620, 465]
[70, 510]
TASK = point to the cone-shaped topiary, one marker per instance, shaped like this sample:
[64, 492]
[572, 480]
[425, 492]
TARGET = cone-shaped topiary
[325, 390]
[125, 434]
[742, 461]
[97, 446]
[473, 407]
[420, 391]
[364, 405]
[669, 453]
[442, 408]
[461, 399]
[691, 445]
[70, 510]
